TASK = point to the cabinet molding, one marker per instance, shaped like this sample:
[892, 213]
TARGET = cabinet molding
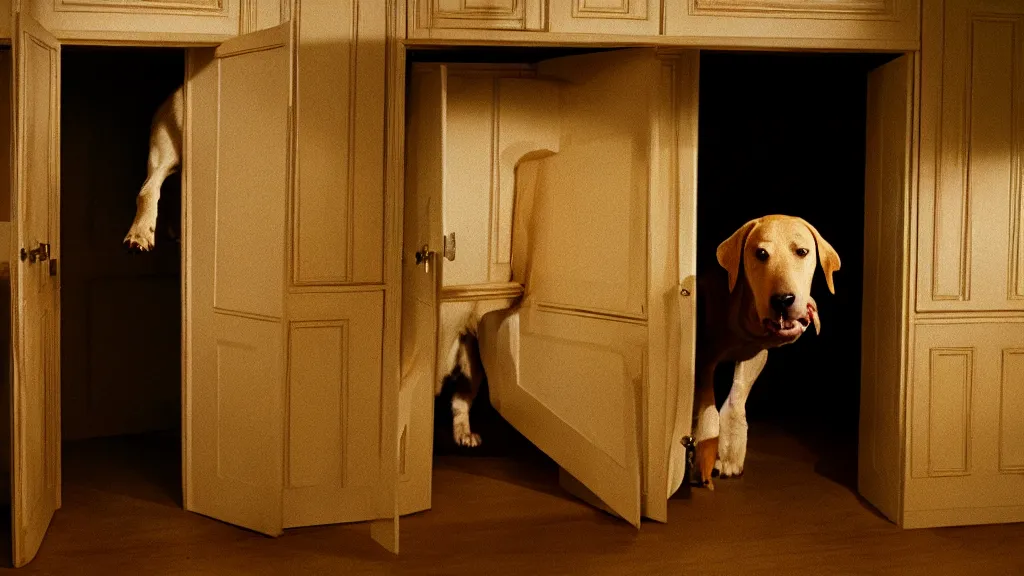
[1011, 406]
[182, 7]
[479, 14]
[620, 9]
[836, 9]
[950, 377]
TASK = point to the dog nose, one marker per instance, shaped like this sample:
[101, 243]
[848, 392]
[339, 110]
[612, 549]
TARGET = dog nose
[782, 302]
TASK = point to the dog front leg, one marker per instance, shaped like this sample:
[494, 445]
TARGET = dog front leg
[462, 400]
[732, 443]
[706, 434]
[164, 158]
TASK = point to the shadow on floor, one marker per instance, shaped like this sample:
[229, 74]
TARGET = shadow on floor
[142, 466]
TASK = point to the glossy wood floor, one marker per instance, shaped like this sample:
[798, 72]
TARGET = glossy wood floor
[792, 513]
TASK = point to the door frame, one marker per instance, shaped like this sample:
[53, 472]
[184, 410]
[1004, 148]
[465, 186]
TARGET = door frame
[683, 197]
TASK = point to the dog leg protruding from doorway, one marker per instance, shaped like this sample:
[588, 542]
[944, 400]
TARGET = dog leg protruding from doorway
[732, 440]
[471, 366]
[706, 432]
[164, 159]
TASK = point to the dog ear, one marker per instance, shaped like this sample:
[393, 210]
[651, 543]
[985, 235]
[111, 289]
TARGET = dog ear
[827, 255]
[730, 252]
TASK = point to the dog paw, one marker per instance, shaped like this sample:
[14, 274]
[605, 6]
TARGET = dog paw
[463, 436]
[705, 460]
[732, 442]
[141, 237]
[467, 439]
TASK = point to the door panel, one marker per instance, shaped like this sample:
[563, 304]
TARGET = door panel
[885, 305]
[632, 17]
[425, 135]
[672, 317]
[970, 235]
[425, 15]
[965, 451]
[239, 101]
[881, 24]
[35, 293]
[169, 21]
[568, 369]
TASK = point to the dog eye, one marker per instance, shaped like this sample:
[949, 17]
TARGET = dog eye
[801, 252]
[761, 254]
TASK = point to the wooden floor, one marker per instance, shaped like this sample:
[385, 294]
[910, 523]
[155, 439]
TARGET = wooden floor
[792, 513]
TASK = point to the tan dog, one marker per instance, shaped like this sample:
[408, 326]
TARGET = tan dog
[759, 299]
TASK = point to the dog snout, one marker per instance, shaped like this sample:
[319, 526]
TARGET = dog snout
[782, 302]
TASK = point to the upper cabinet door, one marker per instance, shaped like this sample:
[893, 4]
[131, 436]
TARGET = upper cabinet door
[877, 24]
[236, 157]
[633, 17]
[156, 20]
[476, 14]
[35, 287]
[971, 215]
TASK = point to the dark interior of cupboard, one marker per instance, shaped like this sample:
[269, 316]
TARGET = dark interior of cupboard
[120, 310]
[784, 133]
[778, 133]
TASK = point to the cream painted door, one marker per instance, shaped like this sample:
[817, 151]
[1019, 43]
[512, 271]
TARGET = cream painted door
[672, 282]
[964, 461]
[575, 378]
[966, 447]
[237, 156]
[35, 298]
[878, 24]
[427, 15]
[971, 223]
[886, 302]
[134, 20]
[421, 262]
[632, 17]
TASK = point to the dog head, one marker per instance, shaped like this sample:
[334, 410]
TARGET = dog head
[778, 254]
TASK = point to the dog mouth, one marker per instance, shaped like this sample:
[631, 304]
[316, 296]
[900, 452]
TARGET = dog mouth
[783, 327]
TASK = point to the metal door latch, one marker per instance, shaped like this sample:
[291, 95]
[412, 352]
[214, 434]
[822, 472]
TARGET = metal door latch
[40, 253]
[691, 456]
[423, 256]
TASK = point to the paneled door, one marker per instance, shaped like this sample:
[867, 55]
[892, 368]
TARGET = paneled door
[570, 368]
[421, 274]
[35, 287]
[237, 158]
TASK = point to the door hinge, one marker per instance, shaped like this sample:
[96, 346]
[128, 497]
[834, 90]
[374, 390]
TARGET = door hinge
[448, 248]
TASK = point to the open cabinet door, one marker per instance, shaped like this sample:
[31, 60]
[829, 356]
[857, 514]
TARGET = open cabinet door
[672, 320]
[887, 185]
[237, 160]
[421, 261]
[568, 367]
[35, 287]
